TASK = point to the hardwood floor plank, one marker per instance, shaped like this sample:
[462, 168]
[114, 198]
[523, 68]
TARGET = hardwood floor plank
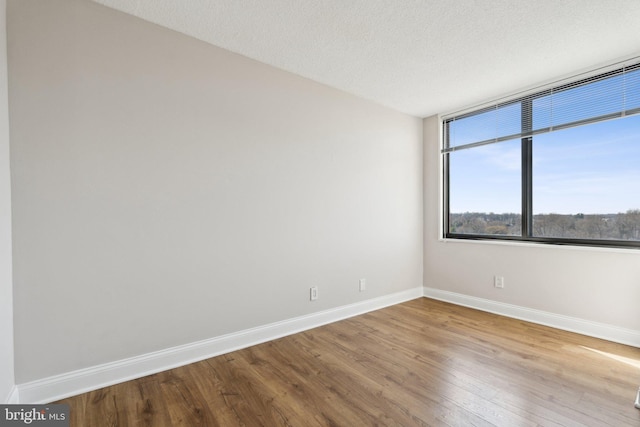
[420, 363]
[151, 405]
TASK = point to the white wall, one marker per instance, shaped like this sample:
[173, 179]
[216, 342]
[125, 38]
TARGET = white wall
[167, 191]
[6, 284]
[598, 285]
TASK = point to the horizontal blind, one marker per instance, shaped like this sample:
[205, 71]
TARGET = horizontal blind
[603, 97]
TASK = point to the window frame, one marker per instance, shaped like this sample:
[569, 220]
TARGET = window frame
[526, 150]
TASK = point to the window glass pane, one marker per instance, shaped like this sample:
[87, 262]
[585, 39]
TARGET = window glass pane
[495, 123]
[484, 189]
[586, 181]
[595, 99]
[599, 98]
[632, 95]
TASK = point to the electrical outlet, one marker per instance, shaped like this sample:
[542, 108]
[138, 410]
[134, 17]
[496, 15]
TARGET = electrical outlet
[363, 285]
[498, 282]
[313, 293]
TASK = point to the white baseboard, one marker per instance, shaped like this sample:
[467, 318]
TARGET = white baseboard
[81, 381]
[12, 397]
[572, 324]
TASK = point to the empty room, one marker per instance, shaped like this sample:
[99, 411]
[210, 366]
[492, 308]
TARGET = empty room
[320, 213]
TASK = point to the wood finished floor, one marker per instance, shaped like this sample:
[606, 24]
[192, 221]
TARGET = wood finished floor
[420, 363]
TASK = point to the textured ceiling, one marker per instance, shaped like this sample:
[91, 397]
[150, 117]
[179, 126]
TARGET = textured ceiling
[417, 56]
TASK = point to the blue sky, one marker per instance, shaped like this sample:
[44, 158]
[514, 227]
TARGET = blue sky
[587, 169]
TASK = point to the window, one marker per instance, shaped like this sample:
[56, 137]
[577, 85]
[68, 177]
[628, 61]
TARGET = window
[561, 165]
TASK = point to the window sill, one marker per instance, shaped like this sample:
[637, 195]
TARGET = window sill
[540, 245]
